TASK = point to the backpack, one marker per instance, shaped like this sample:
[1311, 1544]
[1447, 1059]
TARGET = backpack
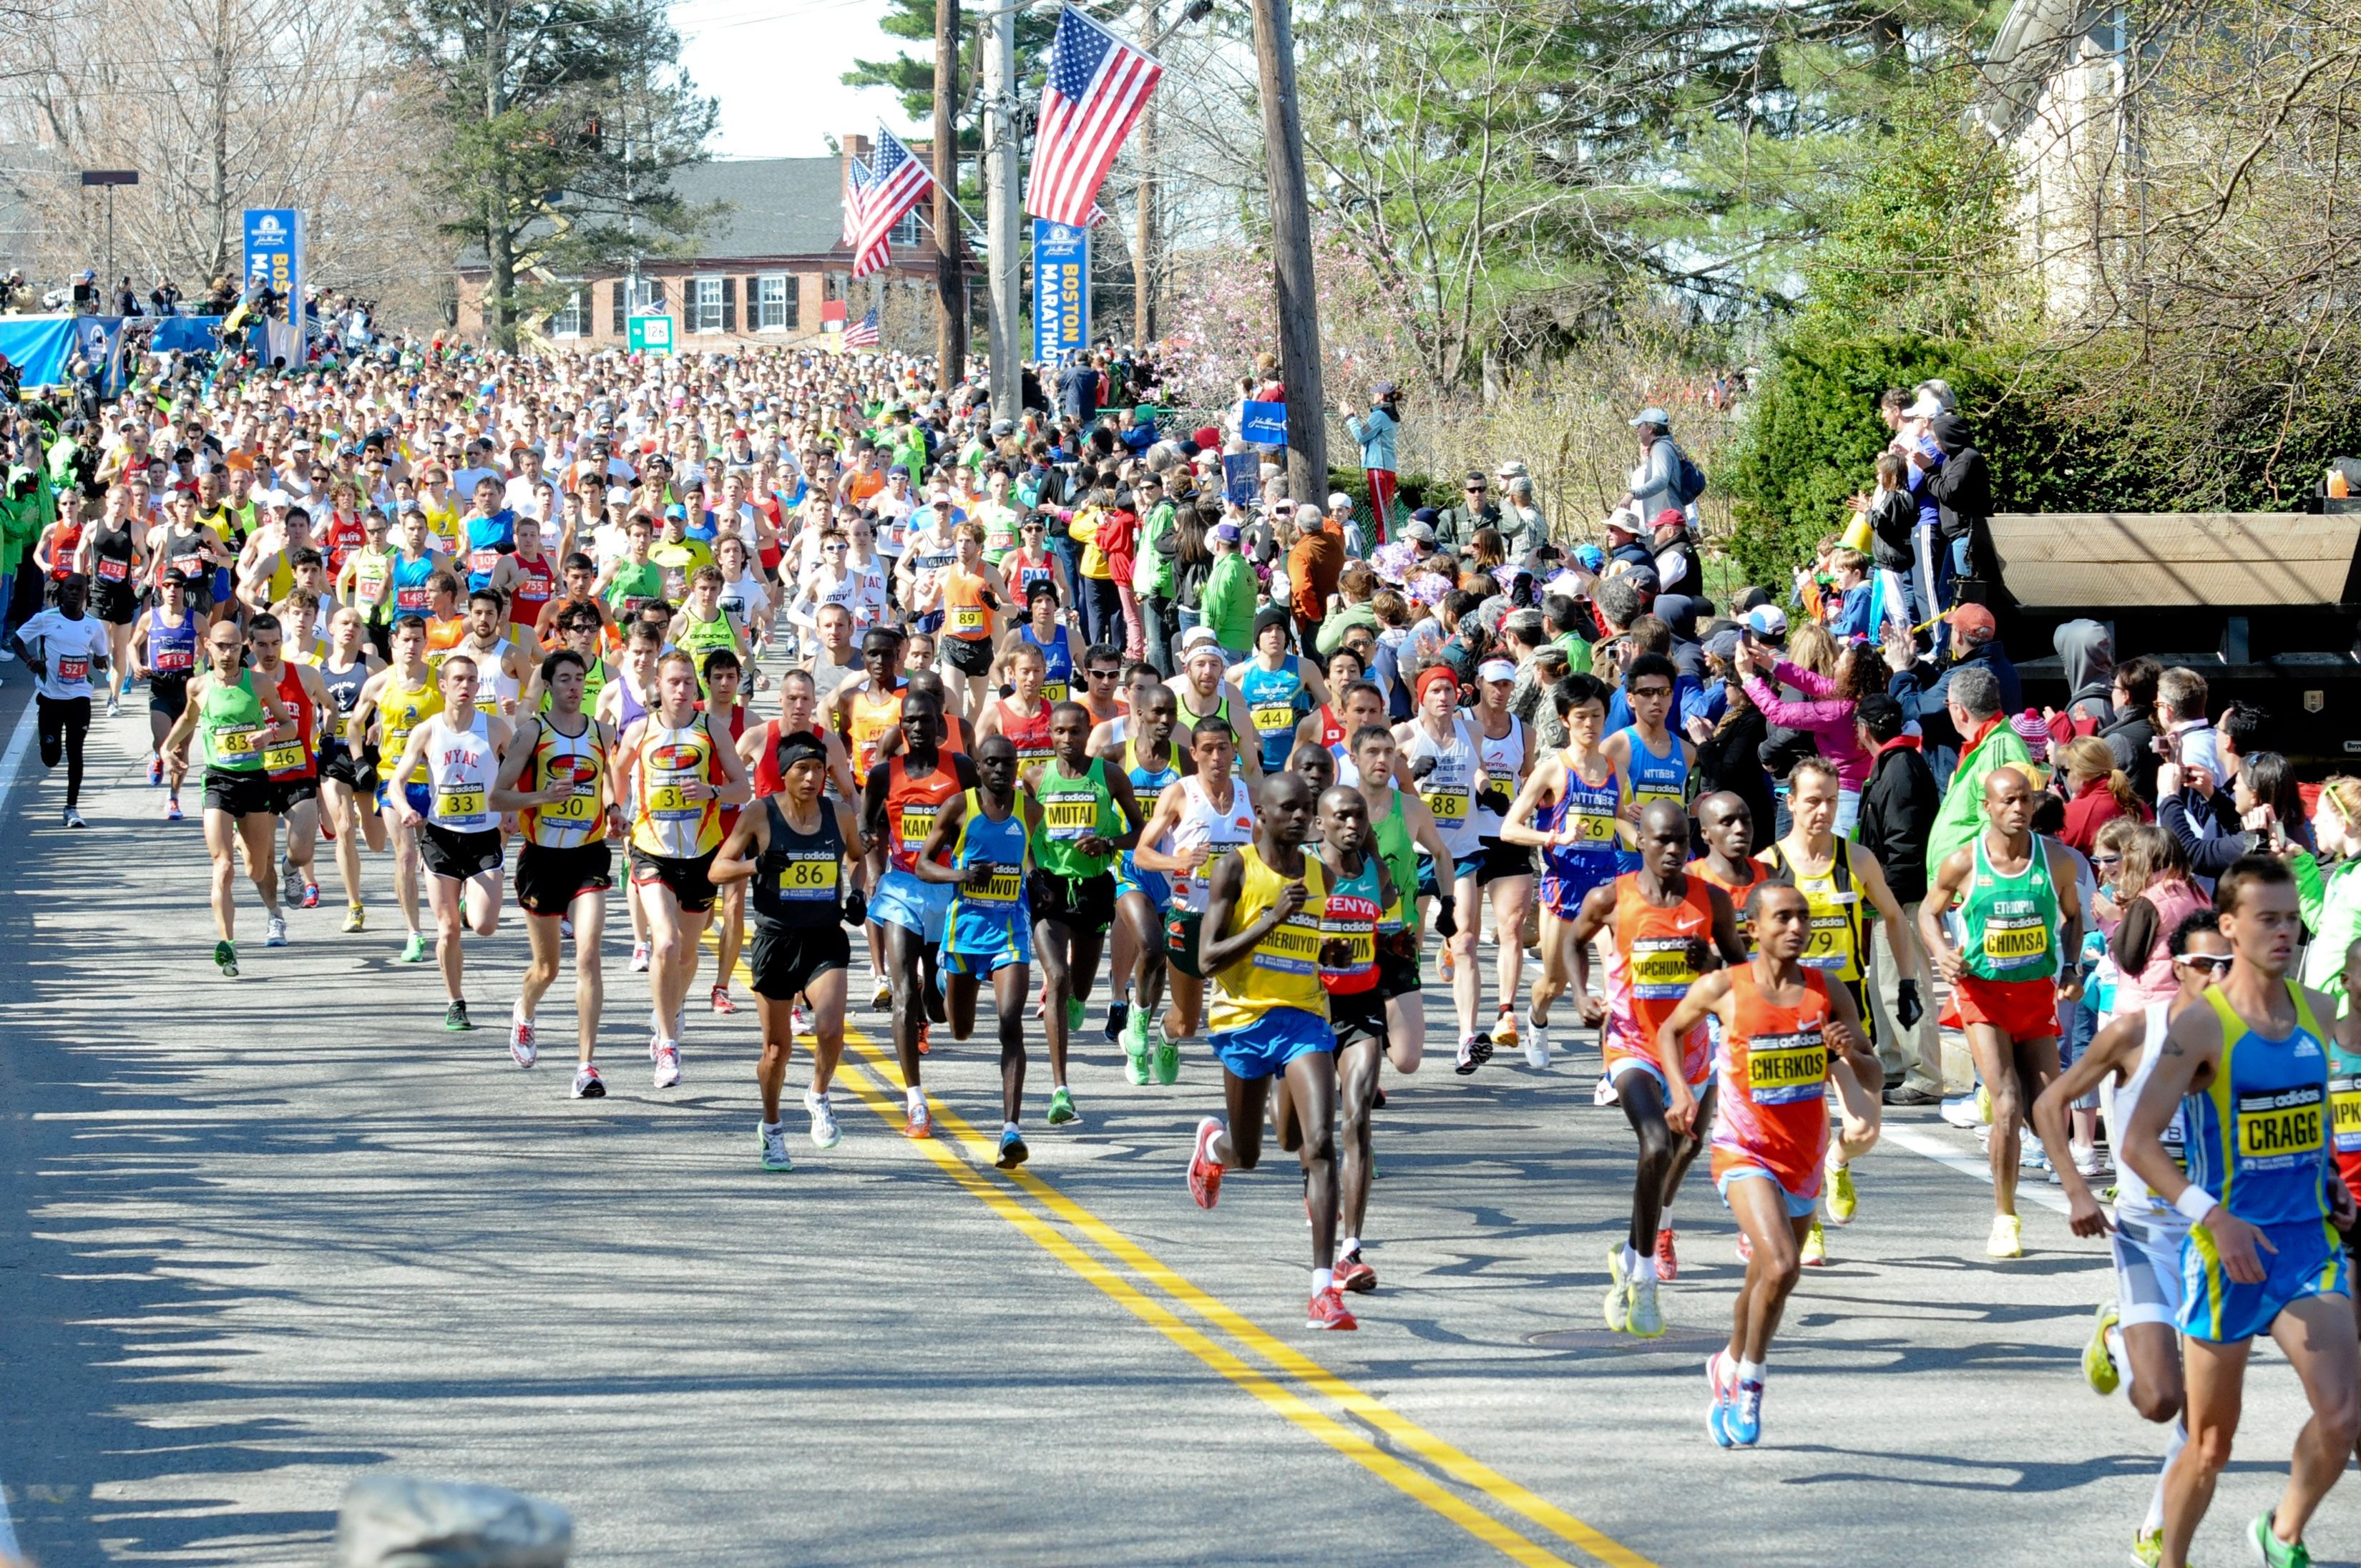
[1689, 482]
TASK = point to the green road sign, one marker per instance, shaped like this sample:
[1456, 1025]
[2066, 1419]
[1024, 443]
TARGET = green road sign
[651, 335]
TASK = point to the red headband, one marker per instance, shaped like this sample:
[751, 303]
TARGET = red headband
[1433, 674]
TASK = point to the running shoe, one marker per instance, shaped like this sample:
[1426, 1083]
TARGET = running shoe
[1606, 1093]
[1647, 1318]
[455, 1017]
[920, 1124]
[2089, 1162]
[310, 895]
[882, 999]
[413, 951]
[1474, 1050]
[2272, 1553]
[721, 1003]
[1074, 1010]
[925, 1044]
[1443, 957]
[1537, 1044]
[1135, 1045]
[1617, 1307]
[1168, 1059]
[1984, 1104]
[2007, 1239]
[274, 931]
[775, 1147]
[155, 769]
[799, 1020]
[113, 707]
[1745, 1247]
[825, 1133]
[1745, 1417]
[639, 958]
[2148, 1548]
[1723, 1383]
[587, 1084]
[173, 810]
[1842, 1198]
[565, 926]
[1118, 1019]
[1013, 1152]
[1062, 1107]
[1814, 1253]
[1961, 1113]
[225, 955]
[1504, 1028]
[1204, 1170]
[2099, 1369]
[1328, 1312]
[522, 1046]
[356, 917]
[74, 819]
[1669, 1262]
[1354, 1275]
[668, 1072]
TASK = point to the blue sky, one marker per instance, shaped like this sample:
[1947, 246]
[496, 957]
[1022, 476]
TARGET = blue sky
[751, 55]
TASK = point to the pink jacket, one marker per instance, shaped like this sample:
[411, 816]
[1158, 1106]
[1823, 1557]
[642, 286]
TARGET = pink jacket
[1828, 719]
[2173, 903]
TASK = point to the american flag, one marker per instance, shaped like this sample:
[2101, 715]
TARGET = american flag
[1098, 85]
[863, 334]
[896, 181]
[857, 181]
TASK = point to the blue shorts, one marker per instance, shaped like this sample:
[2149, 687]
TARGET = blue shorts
[1264, 1047]
[981, 943]
[418, 796]
[2311, 1262]
[1129, 878]
[1562, 892]
[224, 585]
[903, 900]
[1797, 1208]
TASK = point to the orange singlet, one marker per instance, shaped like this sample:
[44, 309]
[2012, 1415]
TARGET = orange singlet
[1772, 1112]
[1653, 960]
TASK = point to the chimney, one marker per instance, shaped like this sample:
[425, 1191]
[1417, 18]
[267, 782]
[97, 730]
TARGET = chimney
[857, 145]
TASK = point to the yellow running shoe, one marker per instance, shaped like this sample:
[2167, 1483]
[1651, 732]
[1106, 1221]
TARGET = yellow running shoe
[1842, 1198]
[356, 918]
[2007, 1237]
[1984, 1104]
[1646, 1319]
[1617, 1305]
[2148, 1548]
[1815, 1254]
[2099, 1369]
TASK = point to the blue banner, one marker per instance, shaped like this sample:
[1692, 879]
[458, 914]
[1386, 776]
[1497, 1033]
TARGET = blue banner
[1262, 424]
[1241, 478]
[1061, 291]
[274, 255]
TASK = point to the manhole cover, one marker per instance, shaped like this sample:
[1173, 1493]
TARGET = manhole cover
[1608, 1339]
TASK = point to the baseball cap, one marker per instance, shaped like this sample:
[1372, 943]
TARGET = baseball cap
[1198, 637]
[1422, 532]
[1652, 415]
[1496, 670]
[1926, 405]
[1338, 499]
[1974, 622]
[1590, 557]
[1621, 521]
[1227, 532]
[1670, 517]
[1767, 622]
[1723, 644]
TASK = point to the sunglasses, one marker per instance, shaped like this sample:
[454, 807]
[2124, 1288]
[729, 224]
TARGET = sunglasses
[2219, 965]
[1104, 674]
[2107, 860]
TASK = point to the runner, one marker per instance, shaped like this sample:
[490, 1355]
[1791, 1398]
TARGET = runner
[1023, 715]
[1361, 893]
[558, 776]
[164, 654]
[1402, 829]
[1836, 876]
[722, 675]
[1153, 763]
[1075, 841]
[1783, 1027]
[398, 698]
[979, 847]
[792, 845]
[2137, 1333]
[701, 629]
[1504, 870]
[62, 646]
[114, 556]
[1567, 809]
[293, 764]
[1262, 943]
[459, 830]
[681, 775]
[1199, 818]
[502, 664]
[1276, 688]
[2253, 1068]
[1443, 761]
[364, 582]
[1650, 762]
[973, 601]
[1042, 631]
[238, 715]
[1202, 690]
[348, 760]
[2013, 889]
[1726, 825]
[1665, 928]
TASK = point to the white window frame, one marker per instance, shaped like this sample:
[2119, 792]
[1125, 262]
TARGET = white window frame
[645, 300]
[574, 319]
[771, 314]
[705, 294]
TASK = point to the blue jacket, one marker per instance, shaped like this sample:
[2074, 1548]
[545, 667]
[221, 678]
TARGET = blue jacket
[1925, 693]
[1376, 434]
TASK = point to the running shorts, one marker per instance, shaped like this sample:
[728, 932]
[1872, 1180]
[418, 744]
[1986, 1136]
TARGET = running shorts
[2147, 1271]
[1264, 1047]
[356, 773]
[1617, 1066]
[1155, 885]
[785, 959]
[1495, 859]
[1357, 1015]
[240, 795]
[973, 952]
[1083, 903]
[1397, 972]
[117, 604]
[1742, 1170]
[168, 694]
[549, 879]
[2311, 1261]
[2021, 1009]
[901, 899]
[293, 793]
[684, 875]
[458, 856]
[1180, 929]
[968, 655]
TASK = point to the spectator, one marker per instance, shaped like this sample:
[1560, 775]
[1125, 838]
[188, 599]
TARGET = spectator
[1897, 816]
[1314, 563]
[1375, 435]
[1656, 481]
[1078, 390]
[1673, 554]
[2180, 696]
[1972, 700]
[1623, 530]
[1962, 490]
[2330, 893]
[2154, 894]
[1891, 519]
[2131, 733]
[2265, 813]
[1521, 523]
[1728, 758]
[1356, 588]
[1228, 599]
[2096, 792]
[2086, 654]
[1924, 691]
[1455, 527]
[1567, 628]
[1828, 712]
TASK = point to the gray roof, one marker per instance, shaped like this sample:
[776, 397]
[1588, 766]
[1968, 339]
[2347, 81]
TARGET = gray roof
[776, 206]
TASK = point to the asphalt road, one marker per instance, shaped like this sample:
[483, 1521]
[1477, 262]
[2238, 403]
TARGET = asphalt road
[258, 1239]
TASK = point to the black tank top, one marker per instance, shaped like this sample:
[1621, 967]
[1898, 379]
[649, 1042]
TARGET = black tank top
[799, 881]
[112, 546]
[343, 689]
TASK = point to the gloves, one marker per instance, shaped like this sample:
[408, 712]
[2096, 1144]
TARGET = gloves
[1423, 766]
[1907, 1009]
[856, 907]
[1496, 801]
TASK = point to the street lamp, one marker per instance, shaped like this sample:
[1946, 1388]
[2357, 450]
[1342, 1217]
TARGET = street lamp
[110, 179]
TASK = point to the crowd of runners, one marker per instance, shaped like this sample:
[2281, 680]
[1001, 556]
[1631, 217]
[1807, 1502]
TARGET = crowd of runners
[818, 655]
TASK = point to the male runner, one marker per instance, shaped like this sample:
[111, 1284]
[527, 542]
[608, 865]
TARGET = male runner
[1726, 825]
[979, 847]
[1205, 815]
[164, 653]
[62, 645]
[1783, 1029]
[1401, 826]
[1650, 762]
[1202, 690]
[726, 712]
[2012, 889]
[793, 845]
[1361, 895]
[348, 760]
[1667, 928]
[1071, 888]
[293, 764]
[1443, 761]
[501, 662]
[238, 715]
[1262, 944]
[1504, 870]
[459, 830]
[1835, 876]
[398, 698]
[1277, 686]
[2146, 1236]
[898, 807]
[558, 776]
[1153, 761]
[1568, 810]
[2264, 1196]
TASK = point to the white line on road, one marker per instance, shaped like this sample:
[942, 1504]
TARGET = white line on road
[2032, 1184]
[19, 744]
[9, 1551]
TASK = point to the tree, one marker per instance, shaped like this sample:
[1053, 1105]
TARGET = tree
[558, 126]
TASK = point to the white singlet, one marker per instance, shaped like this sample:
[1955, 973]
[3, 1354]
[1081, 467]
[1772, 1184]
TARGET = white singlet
[1502, 761]
[459, 768]
[1449, 790]
[1219, 830]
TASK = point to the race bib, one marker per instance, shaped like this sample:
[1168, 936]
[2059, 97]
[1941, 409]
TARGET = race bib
[282, 756]
[582, 805]
[1270, 719]
[967, 620]
[236, 740]
[410, 598]
[191, 567]
[173, 661]
[1292, 947]
[1054, 691]
[1069, 817]
[74, 670]
[1783, 1069]
[460, 800]
[669, 802]
[1449, 806]
[1826, 946]
[482, 562]
[2344, 1111]
[113, 571]
[1001, 889]
[1663, 965]
[918, 821]
[2278, 1130]
[2015, 941]
[813, 880]
[1592, 827]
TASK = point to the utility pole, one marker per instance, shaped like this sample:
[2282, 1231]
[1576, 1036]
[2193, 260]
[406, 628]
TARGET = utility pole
[1006, 317]
[951, 275]
[1290, 236]
[1143, 264]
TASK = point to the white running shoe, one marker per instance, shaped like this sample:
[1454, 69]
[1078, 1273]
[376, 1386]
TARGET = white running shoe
[521, 1046]
[274, 933]
[639, 958]
[587, 1084]
[1606, 1093]
[1537, 1044]
[775, 1147]
[667, 1073]
[1961, 1113]
[825, 1133]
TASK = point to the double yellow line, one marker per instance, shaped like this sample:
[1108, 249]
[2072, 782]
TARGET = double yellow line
[1403, 1453]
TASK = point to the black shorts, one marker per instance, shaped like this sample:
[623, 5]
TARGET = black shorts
[1182, 929]
[1397, 972]
[293, 792]
[240, 794]
[117, 604]
[168, 694]
[548, 880]
[356, 773]
[785, 959]
[1358, 1015]
[1495, 859]
[1078, 903]
[459, 855]
[969, 656]
[692, 889]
